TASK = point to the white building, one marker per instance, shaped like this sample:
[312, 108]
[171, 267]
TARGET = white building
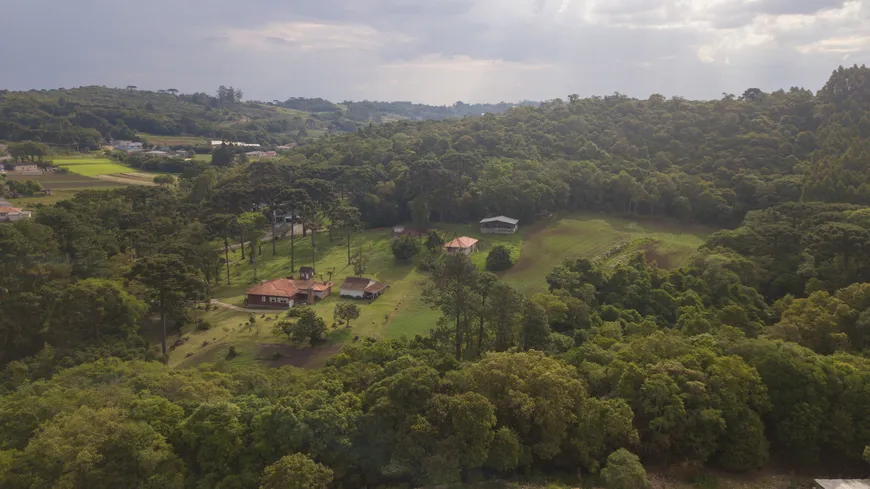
[128, 146]
[12, 214]
[234, 143]
[361, 288]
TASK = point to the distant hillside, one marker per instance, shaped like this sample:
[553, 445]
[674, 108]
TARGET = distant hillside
[86, 117]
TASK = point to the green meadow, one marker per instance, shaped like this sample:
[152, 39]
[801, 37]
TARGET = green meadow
[402, 310]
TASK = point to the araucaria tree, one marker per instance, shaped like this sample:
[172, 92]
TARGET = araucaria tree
[171, 282]
[452, 292]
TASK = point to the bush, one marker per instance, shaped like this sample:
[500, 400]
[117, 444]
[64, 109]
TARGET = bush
[405, 247]
[232, 353]
[203, 325]
[624, 471]
[294, 312]
[251, 318]
[499, 259]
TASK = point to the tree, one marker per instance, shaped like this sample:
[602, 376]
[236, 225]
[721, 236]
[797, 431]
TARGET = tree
[223, 155]
[164, 181]
[309, 328]
[434, 240]
[534, 330]
[172, 284]
[347, 217]
[251, 225]
[28, 151]
[405, 247]
[499, 259]
[222, 225]
[452, 293]
[98, 448]
[296, 471]
[624, 471]
[420, 212]
[94, 310]
[359, 264]
[347, 312]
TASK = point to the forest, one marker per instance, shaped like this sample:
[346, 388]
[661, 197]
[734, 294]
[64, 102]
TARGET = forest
[752, 356]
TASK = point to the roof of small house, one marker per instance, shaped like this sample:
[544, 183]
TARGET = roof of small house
[356, 283]
[376, 287]
[505, 219]
[6, 209]
[461, 242]
[844, 483]
[279, 287]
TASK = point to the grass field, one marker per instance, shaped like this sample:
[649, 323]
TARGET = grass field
[91, 167]
[402, 310]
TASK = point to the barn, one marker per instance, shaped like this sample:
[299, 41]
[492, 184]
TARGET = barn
[499, 225]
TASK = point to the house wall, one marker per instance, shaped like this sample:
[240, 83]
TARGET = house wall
[500, 229]
[356, 294]
[465, 251]
[269, 301]
[322, 295]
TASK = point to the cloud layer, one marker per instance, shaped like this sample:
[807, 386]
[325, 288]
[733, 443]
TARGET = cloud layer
[433, 51]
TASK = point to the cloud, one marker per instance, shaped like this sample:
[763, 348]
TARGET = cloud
[434, 51]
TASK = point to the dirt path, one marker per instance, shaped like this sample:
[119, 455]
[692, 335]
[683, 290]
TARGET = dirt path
[117, 178]
[218, 303]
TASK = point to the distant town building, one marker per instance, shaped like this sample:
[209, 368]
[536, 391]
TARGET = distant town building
[234, 143]
[12, 214]
[128, 146]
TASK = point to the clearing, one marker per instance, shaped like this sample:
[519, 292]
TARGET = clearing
[402, 311]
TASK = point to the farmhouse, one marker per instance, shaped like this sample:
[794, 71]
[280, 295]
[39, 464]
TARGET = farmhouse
[12, 214]
[463, 244]
[26, 168]
[285, 292]
[499, 225]
[361, 288]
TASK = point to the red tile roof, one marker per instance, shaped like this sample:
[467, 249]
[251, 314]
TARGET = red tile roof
[285, 287]
[9, 210]
[461, 242]
[279, 287]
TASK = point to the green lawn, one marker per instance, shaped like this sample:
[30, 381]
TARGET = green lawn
[91, 167]
[402, 310]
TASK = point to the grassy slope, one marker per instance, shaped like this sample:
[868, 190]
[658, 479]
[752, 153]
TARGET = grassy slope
[401, 311]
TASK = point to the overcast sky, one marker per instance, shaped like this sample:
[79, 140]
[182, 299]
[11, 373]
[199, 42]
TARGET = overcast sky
[432, 51]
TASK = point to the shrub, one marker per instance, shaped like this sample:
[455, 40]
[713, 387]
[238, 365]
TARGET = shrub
[252, 318]
[203, 325]
[405, 247]
[499, 259]
[624, 471]
[232, 353]
[294, 312]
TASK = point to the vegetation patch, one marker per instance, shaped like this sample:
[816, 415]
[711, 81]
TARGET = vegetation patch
[91, 167]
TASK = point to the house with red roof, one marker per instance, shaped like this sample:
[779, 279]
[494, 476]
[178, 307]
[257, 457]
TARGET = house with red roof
[282, 293]
[12, 214]
[463, 245]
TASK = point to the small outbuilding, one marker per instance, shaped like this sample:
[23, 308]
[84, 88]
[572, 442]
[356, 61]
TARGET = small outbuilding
[463, 245]
[361, 288]
[306, 273]
[499, 225]
[842, 484]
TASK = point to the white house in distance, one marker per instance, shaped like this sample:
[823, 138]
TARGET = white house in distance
[128, 146]
[464, 245]
[12, 214]
[499, 225]
[361, 288]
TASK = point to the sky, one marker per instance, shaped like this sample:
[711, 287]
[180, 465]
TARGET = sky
[433, 51]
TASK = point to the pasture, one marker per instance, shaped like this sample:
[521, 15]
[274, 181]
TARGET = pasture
[402, 310]
[91, 167]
